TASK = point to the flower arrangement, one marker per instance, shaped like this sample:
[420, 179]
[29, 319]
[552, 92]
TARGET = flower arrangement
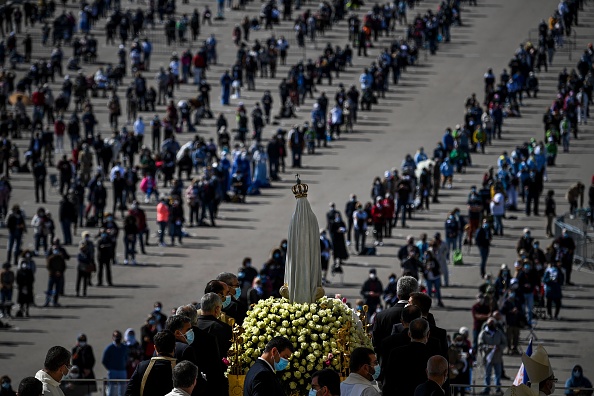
[318, 331]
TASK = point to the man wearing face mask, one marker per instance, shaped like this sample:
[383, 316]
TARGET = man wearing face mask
[236, 309]
[154, 377]
[211, 306]
[159, 316]
[372, 291]
[84, 358]
[261, 379]
[492, 342]
[325, 383]
[406, 364]
[56, 366]
[437, 374]
[181, 328]
[526, 243]
[365, 370]
[115, 357]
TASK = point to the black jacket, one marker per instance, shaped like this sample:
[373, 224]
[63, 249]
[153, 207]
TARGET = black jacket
[159, 381]
[384, 320]
[406, 369]
[429, 388]
[262, 381]
[237, 310]
[206, 349]
[221, 330]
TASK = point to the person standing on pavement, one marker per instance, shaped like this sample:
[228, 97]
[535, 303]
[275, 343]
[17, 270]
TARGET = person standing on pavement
[84, 268]
[565, 252]
[162, 220]
[551, 211]
[498, 210]
[492, 342]
[371, 291]
[56, 265]
[360, 225]
[39, 176]
[15, 223]
[66, 215]
[55, 368]
[483, 242]
[553, 280]
[84, 358]
[105, 256]
[349, 211]
[143, 231]
[130, 234]
[115, 357]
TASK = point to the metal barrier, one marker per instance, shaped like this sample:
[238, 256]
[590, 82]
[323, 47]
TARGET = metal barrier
[577, 226]
[76, 387]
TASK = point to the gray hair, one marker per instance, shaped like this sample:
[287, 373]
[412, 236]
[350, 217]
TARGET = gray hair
[226, 277]
[210, 302]
[184, 374]
[405, 286]
[190, 312]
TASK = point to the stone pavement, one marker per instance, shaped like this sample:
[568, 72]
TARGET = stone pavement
[415, 113]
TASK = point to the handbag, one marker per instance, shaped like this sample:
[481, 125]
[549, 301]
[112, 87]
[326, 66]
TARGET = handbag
[457, 258]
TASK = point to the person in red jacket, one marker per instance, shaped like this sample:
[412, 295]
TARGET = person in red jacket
[59, 129]
[389, 206]
[378, 219]
[143, 231]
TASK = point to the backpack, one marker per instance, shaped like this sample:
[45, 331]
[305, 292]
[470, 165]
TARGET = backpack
[457, 258]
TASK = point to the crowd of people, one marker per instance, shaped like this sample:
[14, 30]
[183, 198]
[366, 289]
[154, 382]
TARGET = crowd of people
[230, 170]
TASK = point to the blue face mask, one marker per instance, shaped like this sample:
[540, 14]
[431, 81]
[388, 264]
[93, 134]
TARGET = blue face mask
[227, 301]
[377, 372]
[237, 293]
[189, 336]
[6, 385]
[281, 364]
[312, 392]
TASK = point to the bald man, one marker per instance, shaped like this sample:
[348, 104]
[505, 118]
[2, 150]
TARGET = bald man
[437, 374]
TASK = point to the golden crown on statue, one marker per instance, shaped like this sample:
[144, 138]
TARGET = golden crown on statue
[299, 189]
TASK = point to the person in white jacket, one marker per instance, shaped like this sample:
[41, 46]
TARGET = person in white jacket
[56, 366]
[184, 378]
[365, 370]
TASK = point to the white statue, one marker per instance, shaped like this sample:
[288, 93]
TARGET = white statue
[303, 268]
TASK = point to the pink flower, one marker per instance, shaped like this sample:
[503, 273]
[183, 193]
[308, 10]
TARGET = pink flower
[226, 361]
[344, 300]
[330, 356]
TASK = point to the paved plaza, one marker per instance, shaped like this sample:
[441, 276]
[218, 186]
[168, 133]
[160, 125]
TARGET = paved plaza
[415, 113]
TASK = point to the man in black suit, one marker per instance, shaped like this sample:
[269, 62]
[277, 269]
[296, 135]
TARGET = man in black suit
[437, 373]
[261, 379]
[386, 319]
[206, 349]
[406, 364]
[424, 302]
[236, 309]
[158, 369]
[211, 306]
[398, 338]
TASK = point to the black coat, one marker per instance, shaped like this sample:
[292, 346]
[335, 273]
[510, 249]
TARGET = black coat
[384, 320]
[429, 388]
[206, 349]
[221, 330]
[159, 381]
[262, 381]
[406, 369]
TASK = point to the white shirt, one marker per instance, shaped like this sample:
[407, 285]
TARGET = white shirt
[357, 385]
[177, 392]
[114, 170]
[51, 387]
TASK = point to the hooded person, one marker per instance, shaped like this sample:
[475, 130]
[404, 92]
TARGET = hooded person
[540, 374]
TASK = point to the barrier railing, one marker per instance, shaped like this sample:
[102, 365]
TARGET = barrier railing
[96, 386]
[577, 226]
